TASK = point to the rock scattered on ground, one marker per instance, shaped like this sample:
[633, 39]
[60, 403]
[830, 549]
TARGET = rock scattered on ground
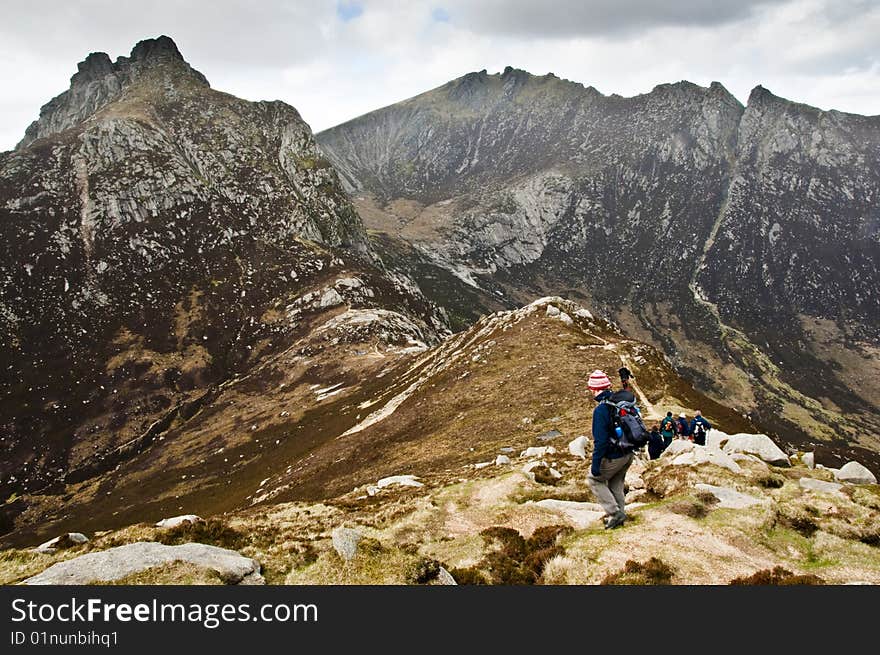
[855, 473]
[821, 486]
[549, 435]
[61, 542]
[444, 577]
[501, 460]
[757, 444]
[578, 447]
[345, 542]
[403, 480]
[538, 451]
[123, 561]
[174, 521]
[731, 498]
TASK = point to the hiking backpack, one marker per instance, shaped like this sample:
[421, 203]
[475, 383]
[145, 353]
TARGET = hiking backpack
[632, 434]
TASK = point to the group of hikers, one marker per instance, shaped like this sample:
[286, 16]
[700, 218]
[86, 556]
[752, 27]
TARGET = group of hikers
[618, 432]
[670, 428]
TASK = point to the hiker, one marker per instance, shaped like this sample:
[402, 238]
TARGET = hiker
[610, 462]
[667, 430]
[625, 394]
[655, 442]
[700, 428]
[682, 429]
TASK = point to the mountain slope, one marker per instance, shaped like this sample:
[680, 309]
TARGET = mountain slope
[513, 382]
[159, 239]
[728, 236]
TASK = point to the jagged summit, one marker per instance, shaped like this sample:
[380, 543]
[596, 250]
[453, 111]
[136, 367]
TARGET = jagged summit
[99, 81]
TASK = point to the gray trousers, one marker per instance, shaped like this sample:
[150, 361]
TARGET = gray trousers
[608, 485]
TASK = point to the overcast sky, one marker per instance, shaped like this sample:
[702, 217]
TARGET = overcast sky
[336, 60]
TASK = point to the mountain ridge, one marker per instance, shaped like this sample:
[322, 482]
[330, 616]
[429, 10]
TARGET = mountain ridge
[524, 193]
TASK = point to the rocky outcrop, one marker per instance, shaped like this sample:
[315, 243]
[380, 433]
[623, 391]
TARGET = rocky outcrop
[130, 559]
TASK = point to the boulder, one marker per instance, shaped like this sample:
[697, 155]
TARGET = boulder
[565, 318]
[330, 298]
[174, 521]
[634, 480]
[66, 540]
[716, 438]
[812, 484]
[345, 542]
[578, 447]
[744, 457]
[731, 498]
[855, 473]
[123, 561]
[706, 455]
[501, 460]
[677, 447]
[552, 311]
[532, 465]
[635, 494]
[809, 460]
[757, 444]
[403, 480]
[538, 451]
[482, 465]
[581, 515]
[549, 435]
[445, 577]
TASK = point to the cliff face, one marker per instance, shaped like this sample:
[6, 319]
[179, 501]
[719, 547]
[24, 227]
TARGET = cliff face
[743, 240]
[152, 233]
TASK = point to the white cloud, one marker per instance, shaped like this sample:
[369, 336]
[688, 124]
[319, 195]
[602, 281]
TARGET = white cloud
[820, 52]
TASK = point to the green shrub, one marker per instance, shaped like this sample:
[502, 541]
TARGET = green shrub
[212, 531]
[421, 571]
[510, 541]
[653, 572]
[692, 508]
[777, 576]
[469, 576]
[546, 536]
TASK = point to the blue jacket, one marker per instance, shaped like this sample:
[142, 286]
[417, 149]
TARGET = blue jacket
[603, 429]
[683, 425]
[699, 420]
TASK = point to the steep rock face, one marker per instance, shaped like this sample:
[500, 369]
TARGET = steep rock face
[152, 232]
[800, 232]
[727, 235]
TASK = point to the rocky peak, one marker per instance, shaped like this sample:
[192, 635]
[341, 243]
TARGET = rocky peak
[160, 48]
[92, 68]
[99, 81]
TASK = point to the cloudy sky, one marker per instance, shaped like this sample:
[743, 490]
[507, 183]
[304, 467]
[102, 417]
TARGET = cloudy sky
[334, 60]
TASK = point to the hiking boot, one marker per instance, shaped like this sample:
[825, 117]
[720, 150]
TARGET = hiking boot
[615, 521]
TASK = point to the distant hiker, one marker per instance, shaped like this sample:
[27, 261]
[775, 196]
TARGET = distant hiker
[682, 428]
[625, 393]
[655, 443]
[610, 462]
[700, 428]
[667, 429]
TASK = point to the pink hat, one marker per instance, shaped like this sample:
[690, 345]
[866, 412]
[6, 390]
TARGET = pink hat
[598, 380]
